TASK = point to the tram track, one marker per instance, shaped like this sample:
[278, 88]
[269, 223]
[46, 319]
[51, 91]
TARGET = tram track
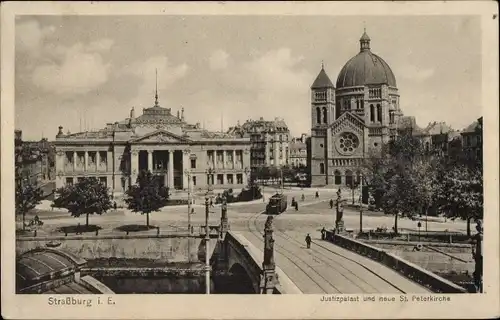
[322, 257]
[291, 257]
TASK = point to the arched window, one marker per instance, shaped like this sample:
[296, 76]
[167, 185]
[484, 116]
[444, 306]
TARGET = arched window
[338, 178]
[322, 168]
[358, 177]
[348, 178]
[379, 113]
[372, 113]
[324, 115]
[318, 115]
[362, 104]
[357, 104]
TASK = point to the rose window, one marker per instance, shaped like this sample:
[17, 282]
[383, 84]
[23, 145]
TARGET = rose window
[347, 143]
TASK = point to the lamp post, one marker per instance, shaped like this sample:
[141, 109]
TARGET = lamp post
[360, 203]
[188, 174]
[210, 172]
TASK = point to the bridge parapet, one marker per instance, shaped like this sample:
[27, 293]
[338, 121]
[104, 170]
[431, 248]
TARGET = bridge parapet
[237, 250]
[412, 271]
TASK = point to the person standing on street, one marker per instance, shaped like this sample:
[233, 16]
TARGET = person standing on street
[308, 241]
[323, 233]
[331, 203]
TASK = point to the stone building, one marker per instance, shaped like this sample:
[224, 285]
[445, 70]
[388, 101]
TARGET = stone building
[160, 142]
[298, 151]
[34, 160]
[270, 141]
[472, 141]
[352, 119]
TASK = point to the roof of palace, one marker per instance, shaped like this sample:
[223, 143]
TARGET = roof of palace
[153, 120]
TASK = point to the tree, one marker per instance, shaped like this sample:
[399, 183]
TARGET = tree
[460, 193]
[88, 196]
[147, 195]
[400, 177]
[28, 194]
[27, 197]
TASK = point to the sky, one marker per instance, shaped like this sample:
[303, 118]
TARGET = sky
[86, 71]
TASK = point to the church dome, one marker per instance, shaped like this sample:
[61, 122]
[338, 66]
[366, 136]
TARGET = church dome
[365, 68]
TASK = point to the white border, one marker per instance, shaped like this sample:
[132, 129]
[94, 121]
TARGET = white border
[240, 306]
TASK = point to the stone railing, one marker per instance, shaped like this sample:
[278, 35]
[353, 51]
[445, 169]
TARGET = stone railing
[403, 267]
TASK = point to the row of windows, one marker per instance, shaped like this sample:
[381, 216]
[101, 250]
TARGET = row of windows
[375, 93]
[360, 104]
[262, 138]
[92, 157]
[220, 156]
[220, 179]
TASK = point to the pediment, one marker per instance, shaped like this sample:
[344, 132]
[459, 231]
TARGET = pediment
[160, 136]
[347, 121]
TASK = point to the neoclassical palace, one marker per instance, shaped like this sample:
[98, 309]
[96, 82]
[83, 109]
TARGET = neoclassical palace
[158, 141]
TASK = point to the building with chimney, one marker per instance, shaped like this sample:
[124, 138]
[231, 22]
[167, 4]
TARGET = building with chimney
[298, 151]
[270, 141]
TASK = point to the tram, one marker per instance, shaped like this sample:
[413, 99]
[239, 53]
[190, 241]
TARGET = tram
[277, 204]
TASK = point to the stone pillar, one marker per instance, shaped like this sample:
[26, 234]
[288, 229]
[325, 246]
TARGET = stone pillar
[150, 160]
[224, 223]
[234, 159]
[75, 155]
[171, 169]
[185, 166]
[268, 276]
[85, 161]
[109, 162]
[339, 219]
[276, 152]
[134, 166]
[97, 160]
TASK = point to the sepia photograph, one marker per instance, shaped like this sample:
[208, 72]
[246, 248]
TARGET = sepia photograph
[337, 156]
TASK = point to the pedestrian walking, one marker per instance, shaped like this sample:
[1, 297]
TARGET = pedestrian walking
[303, 197]
[331, 203]
[308, 241]
[317, 194]
[296, 206]
[115, 206]
[323, 233]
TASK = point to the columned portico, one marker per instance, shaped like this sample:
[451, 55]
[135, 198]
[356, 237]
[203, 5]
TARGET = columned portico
[170, 172]
[185, 166]
[150, 160]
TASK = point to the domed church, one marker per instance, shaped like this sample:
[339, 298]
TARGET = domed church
[352, 119]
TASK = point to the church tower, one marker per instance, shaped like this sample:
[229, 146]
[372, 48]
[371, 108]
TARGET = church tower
[322, 115]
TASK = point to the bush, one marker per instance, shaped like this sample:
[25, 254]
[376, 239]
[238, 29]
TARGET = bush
[252, 193]
[176, 202]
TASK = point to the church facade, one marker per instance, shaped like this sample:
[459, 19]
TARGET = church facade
[182, 155]
[352, 119]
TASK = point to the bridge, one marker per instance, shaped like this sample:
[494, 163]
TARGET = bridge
[338, 264]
